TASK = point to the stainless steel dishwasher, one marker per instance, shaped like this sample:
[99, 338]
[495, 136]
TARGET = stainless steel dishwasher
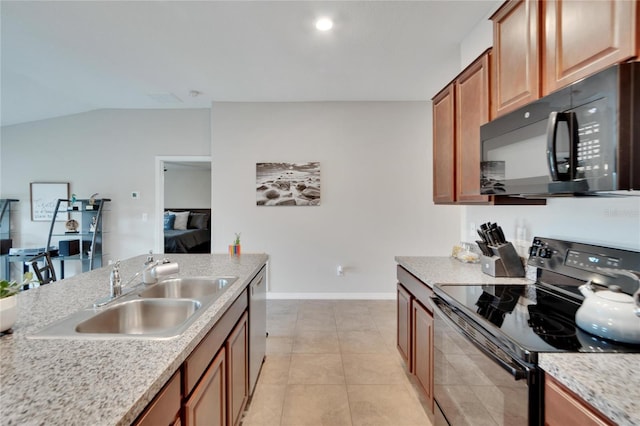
[257, 326]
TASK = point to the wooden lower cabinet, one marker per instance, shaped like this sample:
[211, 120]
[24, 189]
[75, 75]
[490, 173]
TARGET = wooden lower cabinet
[415, 331]
[237, 370]
[563, 408]
[211, 388]
[165, 407]
[404, 324]
[422, 348]
[207, 404]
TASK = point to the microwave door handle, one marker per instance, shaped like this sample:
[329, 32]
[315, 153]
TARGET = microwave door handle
[552, 129]
[573, 144]
[552, 132]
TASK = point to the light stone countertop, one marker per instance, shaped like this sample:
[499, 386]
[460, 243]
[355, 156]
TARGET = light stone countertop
[100, 382]
[447, 270]
[610, 382]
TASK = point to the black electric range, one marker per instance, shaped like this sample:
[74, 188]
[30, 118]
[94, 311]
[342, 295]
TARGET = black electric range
[540, 317]
[487, 338]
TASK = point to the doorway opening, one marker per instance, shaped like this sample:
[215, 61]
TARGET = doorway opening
[183, 198]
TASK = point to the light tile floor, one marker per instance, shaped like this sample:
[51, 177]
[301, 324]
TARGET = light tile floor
[333, 363]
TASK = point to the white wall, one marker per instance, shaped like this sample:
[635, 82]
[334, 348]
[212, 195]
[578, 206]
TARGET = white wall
[613, 222]
[605, 221]
[376, 168]
[479, 39]
[107, 151]
[187, 188]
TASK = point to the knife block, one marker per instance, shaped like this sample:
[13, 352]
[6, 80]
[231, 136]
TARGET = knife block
[504, 263]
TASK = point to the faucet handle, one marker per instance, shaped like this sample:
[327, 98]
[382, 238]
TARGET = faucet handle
[149, 258]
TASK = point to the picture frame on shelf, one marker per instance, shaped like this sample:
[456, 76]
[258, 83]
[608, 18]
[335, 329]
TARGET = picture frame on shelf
[44, 196]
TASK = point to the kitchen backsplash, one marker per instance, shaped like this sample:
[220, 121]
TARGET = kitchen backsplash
[608, 221]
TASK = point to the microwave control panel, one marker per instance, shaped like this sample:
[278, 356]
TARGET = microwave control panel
[591, 160]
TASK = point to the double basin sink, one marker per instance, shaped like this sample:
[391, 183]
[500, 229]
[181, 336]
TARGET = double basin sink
[161, 311]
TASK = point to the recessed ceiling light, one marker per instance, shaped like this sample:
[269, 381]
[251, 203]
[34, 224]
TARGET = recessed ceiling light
[324, 24]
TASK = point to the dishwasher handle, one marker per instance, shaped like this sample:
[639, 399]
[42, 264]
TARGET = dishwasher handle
[487, 347]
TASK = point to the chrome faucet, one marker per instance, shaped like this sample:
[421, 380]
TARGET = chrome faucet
[150, 273]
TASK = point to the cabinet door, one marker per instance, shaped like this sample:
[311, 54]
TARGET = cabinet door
[207, 404]
[422, 349]
[165, 407]
[237, 371]
[404, 324]
[562, 408]
[582, 37]
[472, 111]
[515, 76]
[444, 147]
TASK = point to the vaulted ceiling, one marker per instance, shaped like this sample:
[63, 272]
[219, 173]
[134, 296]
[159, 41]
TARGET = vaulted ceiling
[66, 57]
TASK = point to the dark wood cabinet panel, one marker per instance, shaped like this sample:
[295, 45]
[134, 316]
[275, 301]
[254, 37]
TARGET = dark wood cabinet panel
[515, 62]
[200, 358]
[415, 332]
[404, 324]
[582, 37]
[207, 404]
[564, 408]
[444, 146]
[422, 349]
[165, 407]
[237, 370]
[472, 111]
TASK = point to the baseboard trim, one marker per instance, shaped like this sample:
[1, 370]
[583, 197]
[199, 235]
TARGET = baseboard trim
[332, 296]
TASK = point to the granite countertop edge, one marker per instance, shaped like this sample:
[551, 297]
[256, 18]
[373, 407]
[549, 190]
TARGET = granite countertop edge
[593, 380]
[600, 384]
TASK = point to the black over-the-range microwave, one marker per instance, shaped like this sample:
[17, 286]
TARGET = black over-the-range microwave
[582, 139]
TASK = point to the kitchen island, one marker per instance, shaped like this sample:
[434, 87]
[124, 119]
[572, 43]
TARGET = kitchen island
[609, 382]
[107, 381]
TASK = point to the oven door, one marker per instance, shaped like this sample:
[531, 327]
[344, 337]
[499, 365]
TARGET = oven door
[475, 382]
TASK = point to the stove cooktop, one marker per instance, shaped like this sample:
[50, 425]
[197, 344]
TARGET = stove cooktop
[528, 318]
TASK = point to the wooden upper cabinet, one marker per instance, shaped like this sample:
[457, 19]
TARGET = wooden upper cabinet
[444, 146]
[584, 36]
[515, 59]
[472, 111]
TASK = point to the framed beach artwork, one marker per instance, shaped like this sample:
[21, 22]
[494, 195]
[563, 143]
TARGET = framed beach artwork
[44, 197]
[288, 184]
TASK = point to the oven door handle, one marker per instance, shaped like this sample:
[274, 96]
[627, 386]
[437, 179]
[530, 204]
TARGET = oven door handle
[517, 371]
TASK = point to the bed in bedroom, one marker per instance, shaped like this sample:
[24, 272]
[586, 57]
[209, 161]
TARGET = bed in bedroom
[187, 231]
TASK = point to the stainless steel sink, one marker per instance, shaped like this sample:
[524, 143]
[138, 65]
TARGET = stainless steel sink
[192, 288]
[161, 311]
[141, 316]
